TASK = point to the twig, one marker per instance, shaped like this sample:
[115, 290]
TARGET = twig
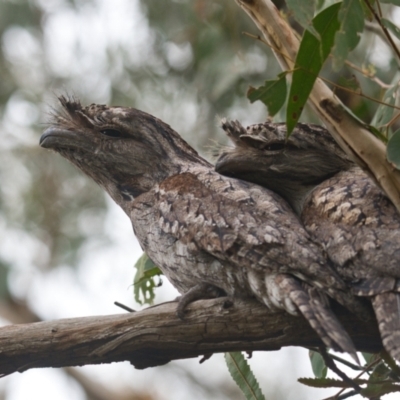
[274, 49]
[368, 75]
[335, 85]
[347, 395]
[333, 367]
[352, 136]
[339, 359]
[390, 362]
[124, 307]
[385, 31]
[366, 368]
[346, 363]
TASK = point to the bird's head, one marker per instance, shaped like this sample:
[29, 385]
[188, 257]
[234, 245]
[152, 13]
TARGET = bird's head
[124, 150]
[289, 166]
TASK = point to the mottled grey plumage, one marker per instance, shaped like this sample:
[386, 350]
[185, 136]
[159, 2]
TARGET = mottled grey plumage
[209, 234]
[338, 203]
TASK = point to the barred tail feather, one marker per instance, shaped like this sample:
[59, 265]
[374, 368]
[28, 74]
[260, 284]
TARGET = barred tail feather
[314, 306]
[387, 311]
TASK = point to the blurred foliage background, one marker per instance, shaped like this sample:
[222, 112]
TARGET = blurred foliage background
[65, 249]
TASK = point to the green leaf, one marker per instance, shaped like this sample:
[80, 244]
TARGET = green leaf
[323, 382]
[384, 113]
[4, 272]
[378, 390]
[318, 364]
[390, 362]
[394, 2]
[144, 283]
[303, 12]
[369, 357]
[380, 373]
[272, 94]
[310, 58]
[391, 26]
[376, 132]
[243, 376]
[351, 83]
[372, 129]
[351, 16]
[393, 150]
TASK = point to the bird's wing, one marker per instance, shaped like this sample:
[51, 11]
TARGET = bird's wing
[268, 245]
[194, 213]
[244, 234]
[356, 222]
[387, 311]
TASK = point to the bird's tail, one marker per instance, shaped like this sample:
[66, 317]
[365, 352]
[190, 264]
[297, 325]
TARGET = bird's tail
[387, 311]
[314, 306]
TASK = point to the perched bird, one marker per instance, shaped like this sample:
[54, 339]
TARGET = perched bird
[339, 205]
[210, 235]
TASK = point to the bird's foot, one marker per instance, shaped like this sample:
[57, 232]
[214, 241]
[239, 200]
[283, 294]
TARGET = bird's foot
[198, 292]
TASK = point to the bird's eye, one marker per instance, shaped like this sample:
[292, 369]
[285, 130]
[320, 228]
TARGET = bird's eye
[275, 146]
[111, 133]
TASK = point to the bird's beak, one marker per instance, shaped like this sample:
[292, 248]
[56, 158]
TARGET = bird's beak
[54, 138]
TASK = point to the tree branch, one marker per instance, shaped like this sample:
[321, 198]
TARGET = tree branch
[360, 144]
[18, 312]
[156, 336]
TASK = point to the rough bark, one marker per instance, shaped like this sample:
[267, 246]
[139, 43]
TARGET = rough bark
[18, 312]
[156, 336]
[360, 144]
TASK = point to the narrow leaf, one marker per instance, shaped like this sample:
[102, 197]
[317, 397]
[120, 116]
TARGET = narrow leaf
[272, 94]
[391, 26]
[390, 362]
[243, 376]
[394, 2]
[369, 357]
[310, 58]
[393, 150]
[144, 282]
[384, 113]
[376, 132]
[303, 12]
[380, 373]
[351, 19]
[323, 382]
[351, 83]
[376, 391]
[331, 382]
[318, 364]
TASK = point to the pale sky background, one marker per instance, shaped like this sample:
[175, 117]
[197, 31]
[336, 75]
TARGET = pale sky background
[75, 45]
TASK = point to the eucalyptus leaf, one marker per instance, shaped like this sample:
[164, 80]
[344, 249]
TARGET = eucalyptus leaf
[390, 362]
[272, 94]
[323, 382]
[4, 272]
[144, 282]
[391, 26]
[303, 12]
[393, 150]
[243, 376]
[369, 357]
[318, 364]
[310, 58]
[394, 2]
[384, 113]
[351, 17]
[380, 373]
[377, 390]
[351, 83]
